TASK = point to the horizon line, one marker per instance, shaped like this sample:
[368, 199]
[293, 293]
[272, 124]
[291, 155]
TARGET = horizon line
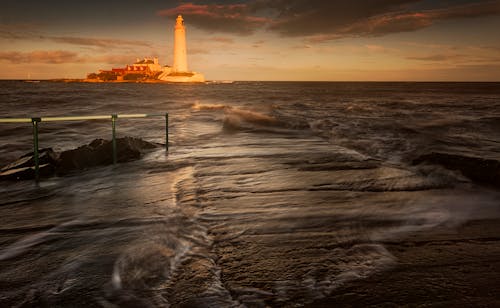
[235, 80]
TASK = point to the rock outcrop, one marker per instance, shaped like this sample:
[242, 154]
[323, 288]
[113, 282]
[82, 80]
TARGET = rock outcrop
[24, 167]
[98, 153]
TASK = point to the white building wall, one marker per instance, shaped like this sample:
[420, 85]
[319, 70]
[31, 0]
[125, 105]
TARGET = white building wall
[180, 52]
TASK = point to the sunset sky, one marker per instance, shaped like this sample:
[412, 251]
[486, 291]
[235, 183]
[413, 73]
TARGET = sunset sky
[257, 40]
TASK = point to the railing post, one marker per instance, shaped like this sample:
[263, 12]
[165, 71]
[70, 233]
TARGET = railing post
[166, 131]
[35, 121]
[114, 117]
[113, 125]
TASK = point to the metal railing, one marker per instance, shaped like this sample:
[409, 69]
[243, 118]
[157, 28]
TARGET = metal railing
[112, 117]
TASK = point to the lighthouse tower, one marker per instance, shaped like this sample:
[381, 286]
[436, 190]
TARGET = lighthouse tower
[179, 71]
[180, 54]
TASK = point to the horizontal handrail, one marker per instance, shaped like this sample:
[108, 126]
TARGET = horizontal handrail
[15, 120]
[78, 118]
[112, 117]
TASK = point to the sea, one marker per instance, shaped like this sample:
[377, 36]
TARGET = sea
[270, 193]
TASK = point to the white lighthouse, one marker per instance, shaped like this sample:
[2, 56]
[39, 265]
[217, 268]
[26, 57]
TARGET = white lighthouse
[180, 54]
[179, 71]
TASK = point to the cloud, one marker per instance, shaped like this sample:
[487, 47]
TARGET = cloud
[230, 18]
[458, 58]
[40, 56]
[258, 44]
[388, 22]
[489, 47]
[315, 17]
[433, 58]
[27, 32]
[19, 32]
[61, 57]
[198, 51]
[320, 20]
[220, 39]
[376, 48]
[97, 42]
[303, 46]
[113, 59]
[479, 9]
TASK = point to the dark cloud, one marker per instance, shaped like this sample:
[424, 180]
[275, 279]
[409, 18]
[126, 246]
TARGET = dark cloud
[478, 9]
[304, 18]
[457, 58]
[231, 18]
[435, 58]
[334, 20]
[326, 20]
[19, 32]
[40, 56]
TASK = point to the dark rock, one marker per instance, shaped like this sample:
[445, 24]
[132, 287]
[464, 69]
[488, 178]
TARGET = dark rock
[26, 173]
[45, 156]
[24, 167]
[484, 171]
[98, 153]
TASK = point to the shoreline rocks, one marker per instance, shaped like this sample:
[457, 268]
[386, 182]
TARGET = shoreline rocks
[97, 153]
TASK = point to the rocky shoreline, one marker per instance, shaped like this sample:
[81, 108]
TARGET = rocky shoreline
[97, 153]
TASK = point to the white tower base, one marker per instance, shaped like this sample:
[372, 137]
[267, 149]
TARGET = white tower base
[182, 77]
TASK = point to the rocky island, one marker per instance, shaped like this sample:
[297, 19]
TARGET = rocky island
[150, 70]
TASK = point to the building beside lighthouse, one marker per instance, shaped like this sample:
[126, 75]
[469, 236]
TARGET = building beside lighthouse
[150, 70]
[179, 71]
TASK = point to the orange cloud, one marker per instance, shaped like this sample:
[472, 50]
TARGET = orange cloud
[458, 58]
[115, 59]
[220, 39]
[61, 57]
[212, 10]
[98, 42]
[198, 51]
[376, 48]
